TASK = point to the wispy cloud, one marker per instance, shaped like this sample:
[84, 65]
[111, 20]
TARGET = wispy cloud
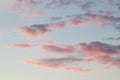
[27, 3]
[33, 14]
[23, 46]
[93, 18]
[92, 48]
[59, 49]
[39, 29]
[98, 48]
[99, 52]
[69, 63]
[33, 30]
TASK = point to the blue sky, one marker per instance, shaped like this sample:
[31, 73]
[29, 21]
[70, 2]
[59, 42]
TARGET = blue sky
[60, 39]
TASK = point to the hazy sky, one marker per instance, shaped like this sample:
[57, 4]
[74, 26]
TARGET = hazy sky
[59, 39]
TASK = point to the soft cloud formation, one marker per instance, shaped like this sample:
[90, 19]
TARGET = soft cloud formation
[85, 6]
[60, 3]
[69, 63]
[98, 48]
[94, 19]
[59, 49]
[103, 53]
[66, 3]
[54, 18]
[27, 3]
[34, 30]
[39, 29]
[91, 49]
[23, 46]
[77, 20]
[59, 25]
[33, 14]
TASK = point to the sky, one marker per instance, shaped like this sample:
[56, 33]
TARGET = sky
[59, 39]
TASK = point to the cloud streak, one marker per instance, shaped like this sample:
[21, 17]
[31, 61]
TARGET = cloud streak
[111, 38]
[103, 53]
[23, 46]
[34, 30]
[94, 19]
[69, 63]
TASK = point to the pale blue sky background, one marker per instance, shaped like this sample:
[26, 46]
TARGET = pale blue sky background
[12, 59]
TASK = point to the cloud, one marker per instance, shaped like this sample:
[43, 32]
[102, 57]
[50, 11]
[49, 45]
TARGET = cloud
[99, 52]
[98, 48]
[69, 63]
[92, 48]
[59, 49]
[66, 3]
[36, 30]
[60, 3]
[86, 5]
[112, 38]
[33, 30]
[94, 19]
[33, 14]
[23, 46]
[53, 4]
[59, 25]
[27, 3]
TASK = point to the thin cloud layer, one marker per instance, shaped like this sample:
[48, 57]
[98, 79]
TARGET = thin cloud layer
[59, 49]
[92, 48]
[69, 63]
[103, 53]
[33, 14]
[28, 3]
[39, 29]
[94, 19]
[98, 48]
[54, 4]
[77, 20]
[23, 46]
[34, 30]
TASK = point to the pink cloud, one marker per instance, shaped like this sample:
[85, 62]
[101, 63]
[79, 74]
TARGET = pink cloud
[23, 46]
[59, 25]
[27, 3]
[102, 53]
[94, 19]
[84, 6]
[16, 11]
[33, 30]
[59, 49]
[65, 63]
[92, 48]
[78, 22]
[39, 29]
[98, 48]
[33, 14]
